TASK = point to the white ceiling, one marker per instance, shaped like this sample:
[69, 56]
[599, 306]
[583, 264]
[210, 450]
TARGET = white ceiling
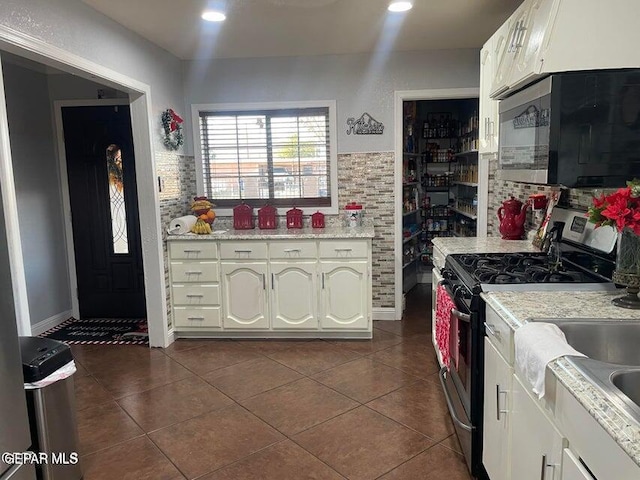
[266, 28]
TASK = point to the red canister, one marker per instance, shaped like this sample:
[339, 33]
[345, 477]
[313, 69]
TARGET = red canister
[243, 217]
[294, 218]
[317, 220]
[267, 218]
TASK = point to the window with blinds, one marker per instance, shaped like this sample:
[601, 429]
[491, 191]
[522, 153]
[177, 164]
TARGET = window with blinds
[280, 157]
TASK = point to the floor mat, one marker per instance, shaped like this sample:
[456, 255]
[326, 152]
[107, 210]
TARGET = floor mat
[101, 331]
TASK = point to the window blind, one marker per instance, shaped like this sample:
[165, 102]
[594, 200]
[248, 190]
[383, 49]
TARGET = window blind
[281, 157]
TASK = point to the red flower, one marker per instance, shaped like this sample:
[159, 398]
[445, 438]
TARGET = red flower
[620, 209]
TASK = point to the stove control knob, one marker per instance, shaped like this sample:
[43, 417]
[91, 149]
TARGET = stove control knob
[448, 274]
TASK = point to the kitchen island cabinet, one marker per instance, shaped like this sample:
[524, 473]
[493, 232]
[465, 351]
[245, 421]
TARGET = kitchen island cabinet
[272, 284]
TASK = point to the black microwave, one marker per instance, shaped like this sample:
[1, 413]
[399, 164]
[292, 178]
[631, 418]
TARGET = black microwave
[577, 129]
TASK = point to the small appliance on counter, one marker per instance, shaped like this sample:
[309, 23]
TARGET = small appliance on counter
[353, 214]
[512, 215]
[317, 220]
[267, 218]
[243, 217]
[294, 218]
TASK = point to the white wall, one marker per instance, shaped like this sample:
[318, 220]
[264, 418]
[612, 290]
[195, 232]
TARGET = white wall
[35, 168]
[81, 30]
[359, 83]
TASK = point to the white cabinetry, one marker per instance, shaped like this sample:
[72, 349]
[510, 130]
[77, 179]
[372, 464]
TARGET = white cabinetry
[489, 56]
[245, 295]
[495, 434]
[275, 287]
[534, 35]
[536, 444]
[344, 295]
[294, 300]
[508, 52]
[345, 287]
[195, 285]
[572, 469]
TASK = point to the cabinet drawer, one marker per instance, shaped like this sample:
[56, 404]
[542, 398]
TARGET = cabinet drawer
[197, 317]
[343, 249]
[193, 250]
[292, 250]
[195, 272]
[500, 334]
[196, 294]
[243, 250]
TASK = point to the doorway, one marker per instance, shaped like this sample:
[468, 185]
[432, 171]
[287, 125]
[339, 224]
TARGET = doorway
[436, 158]
[104, 211]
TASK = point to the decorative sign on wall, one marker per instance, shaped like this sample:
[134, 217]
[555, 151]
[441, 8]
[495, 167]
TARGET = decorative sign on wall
[365, 125]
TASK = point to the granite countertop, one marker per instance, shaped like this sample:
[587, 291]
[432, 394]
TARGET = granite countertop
[281, 234]
[516, 308]
[449, 245]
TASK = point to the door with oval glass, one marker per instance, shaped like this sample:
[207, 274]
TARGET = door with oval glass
[104, 211]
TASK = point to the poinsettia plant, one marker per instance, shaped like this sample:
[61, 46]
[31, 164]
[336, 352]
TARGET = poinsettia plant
[620, 209]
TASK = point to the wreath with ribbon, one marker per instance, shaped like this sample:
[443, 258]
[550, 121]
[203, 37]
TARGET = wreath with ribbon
[173, 137]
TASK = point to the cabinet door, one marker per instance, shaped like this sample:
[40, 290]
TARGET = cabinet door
[245, 295]
[495, 431]
[488, 106]
[572, 469]
[510, 49]
[534, 35]
[293, 296]
[536, 444]
[344, 295]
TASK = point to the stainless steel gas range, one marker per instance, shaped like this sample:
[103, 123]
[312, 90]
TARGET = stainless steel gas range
[579, 258]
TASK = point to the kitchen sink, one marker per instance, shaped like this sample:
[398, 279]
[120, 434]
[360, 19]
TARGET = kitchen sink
[606, 341]
[613, 357]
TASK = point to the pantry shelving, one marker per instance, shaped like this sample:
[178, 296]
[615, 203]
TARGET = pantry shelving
[439, 189]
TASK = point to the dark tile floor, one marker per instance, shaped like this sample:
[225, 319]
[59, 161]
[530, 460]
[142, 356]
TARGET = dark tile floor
[271, 410]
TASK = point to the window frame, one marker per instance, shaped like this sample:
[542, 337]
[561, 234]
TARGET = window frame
[196, 109]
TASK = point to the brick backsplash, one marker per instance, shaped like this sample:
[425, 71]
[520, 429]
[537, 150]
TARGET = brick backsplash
[178, 180]
[500, 190]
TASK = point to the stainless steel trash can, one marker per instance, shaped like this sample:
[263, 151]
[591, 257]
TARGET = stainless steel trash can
[52, 409]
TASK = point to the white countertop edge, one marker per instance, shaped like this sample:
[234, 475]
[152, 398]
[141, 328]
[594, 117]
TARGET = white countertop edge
[625, 431]
[281, 234]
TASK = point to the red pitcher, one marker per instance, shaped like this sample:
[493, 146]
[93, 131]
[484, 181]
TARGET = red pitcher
[512, 215]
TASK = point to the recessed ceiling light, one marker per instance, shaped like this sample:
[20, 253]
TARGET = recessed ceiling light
[213, 16]
[400, 6]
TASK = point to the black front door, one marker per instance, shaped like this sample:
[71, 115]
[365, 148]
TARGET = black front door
[104, 211]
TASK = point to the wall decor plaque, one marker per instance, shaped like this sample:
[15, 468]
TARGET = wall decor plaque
[365, 125]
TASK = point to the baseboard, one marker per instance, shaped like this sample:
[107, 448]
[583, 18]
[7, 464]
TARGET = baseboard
[384, 313]
[49, 323]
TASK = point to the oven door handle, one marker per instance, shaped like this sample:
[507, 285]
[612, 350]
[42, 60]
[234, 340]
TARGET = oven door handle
[452, 410]
[465, 317]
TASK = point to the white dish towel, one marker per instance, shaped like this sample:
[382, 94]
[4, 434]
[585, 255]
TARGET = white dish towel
[537, 344]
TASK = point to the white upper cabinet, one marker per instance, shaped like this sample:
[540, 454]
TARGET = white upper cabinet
[534, 36]
[550, 36]
[509, 48]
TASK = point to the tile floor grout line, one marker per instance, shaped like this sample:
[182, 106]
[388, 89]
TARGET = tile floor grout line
[406, 461]
[406, 426]
[85, 454]
[167, 457]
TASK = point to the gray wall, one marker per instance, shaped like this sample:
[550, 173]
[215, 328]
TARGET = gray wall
[35, 168]
[359, 83]
[74, 26]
